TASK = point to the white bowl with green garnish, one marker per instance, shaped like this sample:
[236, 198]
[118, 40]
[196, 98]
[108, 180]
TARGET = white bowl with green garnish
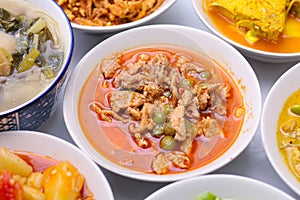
[280, 127]
[273, 35]
[36, 48]
[224, 186]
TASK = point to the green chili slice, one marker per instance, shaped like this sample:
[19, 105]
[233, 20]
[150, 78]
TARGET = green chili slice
[28, 61]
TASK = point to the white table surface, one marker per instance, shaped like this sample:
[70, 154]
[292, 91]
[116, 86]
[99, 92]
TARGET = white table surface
[252, 162]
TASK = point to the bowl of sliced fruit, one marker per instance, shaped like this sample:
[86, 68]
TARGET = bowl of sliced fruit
[36, 165]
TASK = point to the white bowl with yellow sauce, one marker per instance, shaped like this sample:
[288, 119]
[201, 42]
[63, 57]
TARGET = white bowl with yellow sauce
[109, 16]
[114, 148]
[280, 98]
[285, 48]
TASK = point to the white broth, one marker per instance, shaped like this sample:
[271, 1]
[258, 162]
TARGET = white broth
[31, 52]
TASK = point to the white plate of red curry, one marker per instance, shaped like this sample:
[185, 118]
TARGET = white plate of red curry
[169, 102]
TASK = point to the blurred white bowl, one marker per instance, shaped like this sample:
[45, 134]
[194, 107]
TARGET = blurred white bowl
[191, 38]
[287, 84]
[250, 52]
[60, 150]
[116, 28]
[224, 186]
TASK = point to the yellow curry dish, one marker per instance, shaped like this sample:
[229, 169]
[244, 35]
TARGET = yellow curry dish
[288, 133]
[272, 26]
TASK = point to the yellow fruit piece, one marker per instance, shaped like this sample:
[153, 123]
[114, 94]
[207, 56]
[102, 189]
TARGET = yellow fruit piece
[13, 163]
[292, 28]
[35, 180]
[31, 193]
[62, 181]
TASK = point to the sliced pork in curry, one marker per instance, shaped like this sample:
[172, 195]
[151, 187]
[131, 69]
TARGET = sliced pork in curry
[168, 101]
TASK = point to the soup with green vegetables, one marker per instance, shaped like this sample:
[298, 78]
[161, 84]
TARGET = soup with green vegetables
[31, 52]
[288, 133]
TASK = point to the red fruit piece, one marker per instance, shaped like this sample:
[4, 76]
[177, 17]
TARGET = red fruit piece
[10, 189]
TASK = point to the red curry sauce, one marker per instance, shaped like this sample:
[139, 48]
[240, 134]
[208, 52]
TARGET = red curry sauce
[113, 141]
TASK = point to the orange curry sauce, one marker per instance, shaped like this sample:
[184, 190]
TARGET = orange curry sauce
[113, 140]
[284, 44]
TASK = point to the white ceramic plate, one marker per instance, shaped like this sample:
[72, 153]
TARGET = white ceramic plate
[116, 28]
[183, 36]
[287, 84]
[252, 53]
[48, 145]
[224, 186]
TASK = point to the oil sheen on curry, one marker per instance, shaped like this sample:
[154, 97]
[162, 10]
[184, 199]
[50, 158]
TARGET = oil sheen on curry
[161, 109]
[288, 133]
[268, 25]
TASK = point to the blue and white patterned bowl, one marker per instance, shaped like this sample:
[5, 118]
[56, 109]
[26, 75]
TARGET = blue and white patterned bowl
[33, 113]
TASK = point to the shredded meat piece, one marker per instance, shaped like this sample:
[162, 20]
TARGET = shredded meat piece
[140, 66]
[152, 92]
[124, 99]
[160, 164]
[177, 123]
[219, 93]
[106, 115]
[181, 62]
[186, 98]
[174, 84]
[141, 141]
[179, 159]
[136, 129]
[128, 81]
[159, 60]
[210, 128]
[225, 92]
[147, 114]
[136, 114]
[110, 66]
[203, 97]
[192, 109]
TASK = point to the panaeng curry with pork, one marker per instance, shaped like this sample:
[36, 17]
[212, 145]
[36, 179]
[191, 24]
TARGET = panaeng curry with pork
[269, 25]
[161, 109]
[288, 133]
